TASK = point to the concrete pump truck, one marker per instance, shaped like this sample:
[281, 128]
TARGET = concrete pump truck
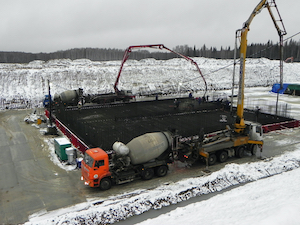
[149, 154]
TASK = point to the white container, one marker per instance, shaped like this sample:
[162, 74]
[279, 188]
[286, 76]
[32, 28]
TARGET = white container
[71, 155]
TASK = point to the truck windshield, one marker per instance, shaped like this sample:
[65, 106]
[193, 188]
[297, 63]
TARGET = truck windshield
[88, 160]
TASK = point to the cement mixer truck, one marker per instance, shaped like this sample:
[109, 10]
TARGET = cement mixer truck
[142, 157]
[149, 154]
[69, 97]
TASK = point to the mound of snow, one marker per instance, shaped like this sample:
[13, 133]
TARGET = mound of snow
[30, 80]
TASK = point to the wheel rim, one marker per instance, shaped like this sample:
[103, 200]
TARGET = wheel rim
[105, 184]
[212, 159]
[240, 151]
[223, 156]
[161, 171]
[148, 174]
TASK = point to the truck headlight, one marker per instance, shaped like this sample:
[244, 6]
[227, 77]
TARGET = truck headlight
[96, 176]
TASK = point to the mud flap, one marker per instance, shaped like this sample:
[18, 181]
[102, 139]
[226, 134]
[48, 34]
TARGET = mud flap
[205, 155]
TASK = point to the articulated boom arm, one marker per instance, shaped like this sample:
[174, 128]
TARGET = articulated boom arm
[242, 34]
[160, 47]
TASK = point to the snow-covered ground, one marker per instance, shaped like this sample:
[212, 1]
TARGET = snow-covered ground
[29, 81]
[271, 200]
[270, 196]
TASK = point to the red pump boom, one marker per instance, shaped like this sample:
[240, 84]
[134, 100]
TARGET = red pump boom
[160, 47]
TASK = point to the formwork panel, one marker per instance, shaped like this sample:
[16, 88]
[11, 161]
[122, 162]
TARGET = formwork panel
[102, 125]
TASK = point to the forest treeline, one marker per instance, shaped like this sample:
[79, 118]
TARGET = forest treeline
[268, 50]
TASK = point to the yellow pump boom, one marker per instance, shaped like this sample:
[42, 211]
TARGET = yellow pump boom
[242, 33]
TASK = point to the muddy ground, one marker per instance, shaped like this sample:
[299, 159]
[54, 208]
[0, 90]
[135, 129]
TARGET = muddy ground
[30, 182]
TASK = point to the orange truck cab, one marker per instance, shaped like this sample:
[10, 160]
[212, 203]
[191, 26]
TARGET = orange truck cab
[95, 168]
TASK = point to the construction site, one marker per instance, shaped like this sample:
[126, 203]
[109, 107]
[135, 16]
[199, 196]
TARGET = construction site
[114, 138]
[131, 139]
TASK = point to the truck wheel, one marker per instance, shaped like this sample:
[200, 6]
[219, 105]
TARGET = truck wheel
[161, 171]
[252, 149]
[105, 183]
[148, 174]
[239, 152]
[212, 159]
[222, 156]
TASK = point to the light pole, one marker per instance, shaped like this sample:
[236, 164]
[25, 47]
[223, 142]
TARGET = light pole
[50, 104]
[51, 129]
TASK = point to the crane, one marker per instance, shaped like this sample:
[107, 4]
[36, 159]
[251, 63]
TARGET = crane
[157, 46]
[242, 34]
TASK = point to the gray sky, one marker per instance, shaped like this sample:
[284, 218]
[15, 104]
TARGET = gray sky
[51, 25]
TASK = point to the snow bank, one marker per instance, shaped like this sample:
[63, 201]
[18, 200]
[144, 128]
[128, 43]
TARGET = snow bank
[29, 81]
[120, 207]
[268, 201]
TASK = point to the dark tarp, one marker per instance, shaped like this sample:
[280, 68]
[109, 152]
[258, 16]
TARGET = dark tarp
[294, 87]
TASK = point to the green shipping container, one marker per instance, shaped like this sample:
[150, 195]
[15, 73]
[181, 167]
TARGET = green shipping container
[60, 145]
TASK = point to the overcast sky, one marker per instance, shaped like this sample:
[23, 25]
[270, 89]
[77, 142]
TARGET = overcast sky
[51, 25]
